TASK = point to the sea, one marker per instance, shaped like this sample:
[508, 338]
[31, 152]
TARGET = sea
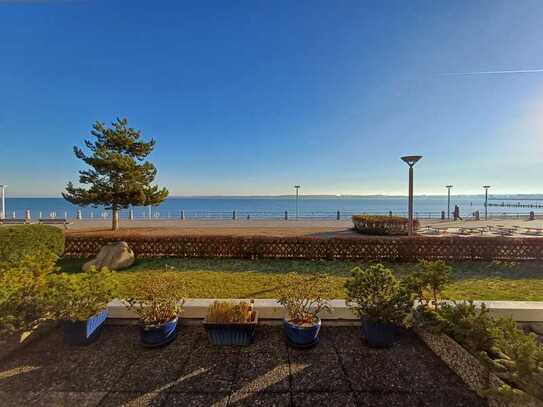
[274, 207]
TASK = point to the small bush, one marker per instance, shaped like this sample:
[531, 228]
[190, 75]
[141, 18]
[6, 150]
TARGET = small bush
[382, 225]
[23, 293]
[77, 297]
[305, 297]
[227, 312]
[157, 299]
[429, 281]
[376, 294]
[18, 241]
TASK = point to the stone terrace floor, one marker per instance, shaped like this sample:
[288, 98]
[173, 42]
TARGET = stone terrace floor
[340, 371]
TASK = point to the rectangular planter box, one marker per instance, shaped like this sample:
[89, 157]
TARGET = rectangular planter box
[84, 332]
[231, 334]
[476, 376]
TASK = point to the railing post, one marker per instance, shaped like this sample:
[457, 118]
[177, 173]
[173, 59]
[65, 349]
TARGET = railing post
[27, 215]
[338, 216]
[131, 214]
[182, 215]
[234, 214]
[286, 215]
[78, 215]
[40, 215]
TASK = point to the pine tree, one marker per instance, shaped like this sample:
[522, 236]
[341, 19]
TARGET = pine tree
[118, 175]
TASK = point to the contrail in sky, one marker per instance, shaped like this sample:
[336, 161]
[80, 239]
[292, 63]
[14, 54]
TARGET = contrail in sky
[493, 72]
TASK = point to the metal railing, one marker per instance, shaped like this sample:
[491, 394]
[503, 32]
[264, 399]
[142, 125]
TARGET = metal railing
[132, 214]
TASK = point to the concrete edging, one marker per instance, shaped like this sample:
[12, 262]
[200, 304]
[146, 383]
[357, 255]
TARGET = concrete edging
[270, 309]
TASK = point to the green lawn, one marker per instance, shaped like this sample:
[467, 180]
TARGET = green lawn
[218, 278]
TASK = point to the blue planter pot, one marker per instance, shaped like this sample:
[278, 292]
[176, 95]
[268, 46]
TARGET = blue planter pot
[159, 335]
[84, 332]
[379, 334]
[231, 334]
[302, 336]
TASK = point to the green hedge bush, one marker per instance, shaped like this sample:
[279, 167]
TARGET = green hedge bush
[17, 242]
[382, 225]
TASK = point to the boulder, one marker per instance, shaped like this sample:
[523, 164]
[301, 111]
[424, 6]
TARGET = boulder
[114, 256]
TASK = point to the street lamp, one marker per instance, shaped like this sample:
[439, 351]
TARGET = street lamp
[3, 202]
[486, 200]
[448, 200]
[297, 187]
[410, 160]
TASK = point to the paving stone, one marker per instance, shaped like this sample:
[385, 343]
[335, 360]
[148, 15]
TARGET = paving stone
[259, 399]
[210, 371]
[317, 372]
[268, 339]
[384, 399]
[155, 369]
[36, 372]
[52, 399]
[262, 372]
[347, 339]
[314, 399]
[97, 371]
[197, 399]
[134, 399]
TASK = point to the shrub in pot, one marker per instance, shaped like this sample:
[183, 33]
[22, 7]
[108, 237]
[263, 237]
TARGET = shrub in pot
[381, 301]
[230, 323]
[80, 301]
[157, 300]
[304, 298]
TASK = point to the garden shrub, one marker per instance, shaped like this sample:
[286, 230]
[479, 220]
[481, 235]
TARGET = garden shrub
[304, 297]
[77, 297]
[23, 292]
[376, 294]
[157, 299]
[18, 241]
[382, 225]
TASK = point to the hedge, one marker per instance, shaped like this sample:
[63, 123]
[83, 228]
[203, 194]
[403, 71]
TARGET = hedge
[382, 225]
[17, 241]
[364, 249]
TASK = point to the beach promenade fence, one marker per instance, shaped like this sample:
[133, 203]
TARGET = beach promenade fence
[234, 214]
[363, 249]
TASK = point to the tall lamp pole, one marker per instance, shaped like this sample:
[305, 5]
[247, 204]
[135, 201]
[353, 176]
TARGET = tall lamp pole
[3, 201]
[486, 200]
[410, 160]
[448, 200]
[297, 187]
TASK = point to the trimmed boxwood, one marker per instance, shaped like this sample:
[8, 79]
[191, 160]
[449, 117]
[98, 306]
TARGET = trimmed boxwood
[18, 241]
[382, 225]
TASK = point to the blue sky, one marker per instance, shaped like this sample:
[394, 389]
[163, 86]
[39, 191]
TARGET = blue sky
[252, 97]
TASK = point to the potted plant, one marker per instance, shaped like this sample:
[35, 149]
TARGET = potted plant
[80, 301]
[381, 302]
[157, 300]
[230, 323]
[304, 298]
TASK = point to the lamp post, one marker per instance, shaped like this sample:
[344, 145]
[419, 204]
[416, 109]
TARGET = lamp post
[448, 200]
[411, 161]
[297, 187]
[486, 200]
[3, 201]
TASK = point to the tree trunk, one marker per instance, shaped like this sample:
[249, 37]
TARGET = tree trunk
[114, 219]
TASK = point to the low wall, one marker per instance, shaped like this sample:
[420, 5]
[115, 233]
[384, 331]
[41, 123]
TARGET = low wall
[270, 309]
[390, 249]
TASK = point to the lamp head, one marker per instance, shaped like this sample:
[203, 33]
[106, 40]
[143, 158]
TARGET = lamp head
[411, 159]
[486, 186]
[448, 186]
[296, 186]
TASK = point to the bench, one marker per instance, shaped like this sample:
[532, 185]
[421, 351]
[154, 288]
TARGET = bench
[13, 221]
[55, 221]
